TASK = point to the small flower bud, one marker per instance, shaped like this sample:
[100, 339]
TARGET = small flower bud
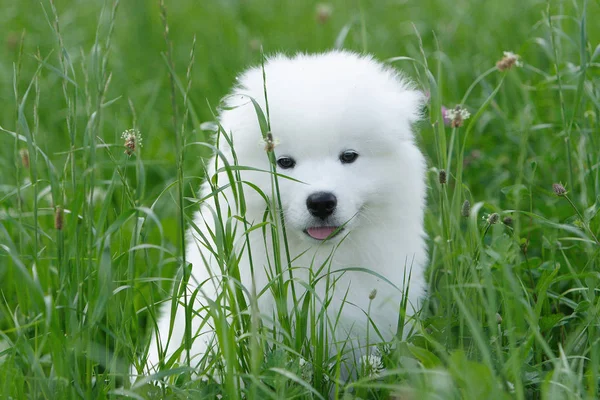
[443, 177]
[24, 153]
[447, 121]
[12, 41]
[270, 142]
[59, 218]
[465, 210]
[508, 221]
[373, 294]
[472, 157]
[498, 318]
[509, 60]
[323, 12]
[255, 44]
[559, 189]
[493, 218]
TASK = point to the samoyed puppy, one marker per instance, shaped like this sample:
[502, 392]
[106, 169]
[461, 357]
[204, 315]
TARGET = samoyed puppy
[351, 185]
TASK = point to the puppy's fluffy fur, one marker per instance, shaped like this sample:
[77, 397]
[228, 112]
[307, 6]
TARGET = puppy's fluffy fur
[321, 107]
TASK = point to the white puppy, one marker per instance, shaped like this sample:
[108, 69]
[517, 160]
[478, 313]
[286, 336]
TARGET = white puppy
[341, 129]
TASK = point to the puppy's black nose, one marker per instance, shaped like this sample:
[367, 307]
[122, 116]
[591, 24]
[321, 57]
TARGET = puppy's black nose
[321, 204]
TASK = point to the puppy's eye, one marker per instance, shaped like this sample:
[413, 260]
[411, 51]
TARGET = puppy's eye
[286, 162]
[348, 156]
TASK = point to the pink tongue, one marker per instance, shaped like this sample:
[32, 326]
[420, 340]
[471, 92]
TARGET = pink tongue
[320, 233]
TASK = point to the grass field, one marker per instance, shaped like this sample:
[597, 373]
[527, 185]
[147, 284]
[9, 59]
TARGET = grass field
[91, 237]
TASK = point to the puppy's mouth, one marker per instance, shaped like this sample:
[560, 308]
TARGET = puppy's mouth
[323, 232]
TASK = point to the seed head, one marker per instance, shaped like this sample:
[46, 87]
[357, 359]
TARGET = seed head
[493, 218]
[24, 158]
[323, 12]
[509, 60]
[508, 221]
[472, 157]
[559, 189]
[59, 218]
[133, 140]
[465, 210]
[373, 294]
[443, 176]
[254, 44]
[457, 116]
[12, 41]
[269, 142]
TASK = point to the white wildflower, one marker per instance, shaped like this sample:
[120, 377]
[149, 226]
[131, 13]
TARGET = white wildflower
[372, 365]
[133, 140]
[385, 348]
[306, 370]
[509, 60]
[457, 116]
[511, 386]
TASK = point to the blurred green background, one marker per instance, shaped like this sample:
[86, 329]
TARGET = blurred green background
[461, 39]
[468, 37]
[472, 36]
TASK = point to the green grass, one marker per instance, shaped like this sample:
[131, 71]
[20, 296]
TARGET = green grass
[514, 309]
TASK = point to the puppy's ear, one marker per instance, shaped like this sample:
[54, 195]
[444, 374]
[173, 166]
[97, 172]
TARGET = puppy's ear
[411, 103]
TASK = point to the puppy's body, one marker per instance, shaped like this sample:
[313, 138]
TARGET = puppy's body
[345, 122]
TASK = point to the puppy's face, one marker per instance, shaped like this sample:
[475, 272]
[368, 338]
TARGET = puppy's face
[338, 180]
[316, 207]
[342, 128]
[337, 173]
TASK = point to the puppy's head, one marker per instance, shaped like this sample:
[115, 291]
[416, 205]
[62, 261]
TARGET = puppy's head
[341, 125]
